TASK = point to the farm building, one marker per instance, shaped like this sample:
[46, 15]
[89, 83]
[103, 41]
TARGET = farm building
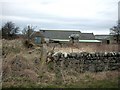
[58, 34]
[65, 36]
[104, 38]
[37, 38]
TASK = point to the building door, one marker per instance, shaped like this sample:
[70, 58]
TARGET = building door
[37, 40]
[108, 41]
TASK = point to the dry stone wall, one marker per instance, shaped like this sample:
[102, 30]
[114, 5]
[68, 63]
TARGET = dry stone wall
[93, 62]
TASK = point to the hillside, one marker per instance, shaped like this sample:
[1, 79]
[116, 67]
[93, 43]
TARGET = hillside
[27, 68]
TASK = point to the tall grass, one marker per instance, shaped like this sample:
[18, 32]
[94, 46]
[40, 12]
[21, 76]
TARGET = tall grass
[85, 47]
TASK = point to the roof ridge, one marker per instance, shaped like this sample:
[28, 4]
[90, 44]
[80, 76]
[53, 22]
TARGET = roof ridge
[87, 33]
[62, 30]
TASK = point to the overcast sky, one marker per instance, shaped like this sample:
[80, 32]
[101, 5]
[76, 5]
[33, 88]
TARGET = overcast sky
[95, 16]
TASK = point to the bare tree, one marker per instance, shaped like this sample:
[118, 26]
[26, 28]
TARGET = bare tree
[28, 31]
[115, 32]
[9, 30]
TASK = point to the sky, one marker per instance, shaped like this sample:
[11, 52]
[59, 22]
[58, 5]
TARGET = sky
[88, 16]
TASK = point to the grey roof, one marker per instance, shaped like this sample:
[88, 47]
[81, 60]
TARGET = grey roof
[102, 37]
[87, 36]
[64, 34]
[58, 34]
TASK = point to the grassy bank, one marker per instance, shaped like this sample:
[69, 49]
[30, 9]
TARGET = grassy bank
[25, 68]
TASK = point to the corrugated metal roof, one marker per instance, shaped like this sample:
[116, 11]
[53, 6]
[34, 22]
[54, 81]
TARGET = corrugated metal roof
[64, 34]
[101, 37]
[87, 36]
[58, 34]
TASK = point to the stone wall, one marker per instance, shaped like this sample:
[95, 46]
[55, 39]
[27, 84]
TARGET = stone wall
[93, 62]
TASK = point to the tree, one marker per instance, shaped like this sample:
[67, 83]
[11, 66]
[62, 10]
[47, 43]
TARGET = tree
[9, 30]
[27, 32]
[115, 32]
[74, 37]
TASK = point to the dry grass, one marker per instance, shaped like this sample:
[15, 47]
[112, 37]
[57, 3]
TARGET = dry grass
[24, 69]
[82, 47]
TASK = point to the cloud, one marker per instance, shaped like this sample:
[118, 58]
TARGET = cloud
[89, 15]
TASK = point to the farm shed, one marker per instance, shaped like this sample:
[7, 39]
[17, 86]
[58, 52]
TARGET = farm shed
[65, 34]
[87, 36]
[104, 38]
[37, 38]
[59, 34]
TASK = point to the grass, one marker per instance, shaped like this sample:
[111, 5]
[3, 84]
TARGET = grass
[86, 82]
[95, 84]
[50, 75]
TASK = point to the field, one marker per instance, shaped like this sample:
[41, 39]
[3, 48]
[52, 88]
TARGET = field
[85, 47]
[27, 68]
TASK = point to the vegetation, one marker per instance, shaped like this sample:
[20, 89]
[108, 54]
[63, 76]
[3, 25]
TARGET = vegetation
[26, 68]
[9, 30]
[22, 69]
[115, 32]
[27, 32]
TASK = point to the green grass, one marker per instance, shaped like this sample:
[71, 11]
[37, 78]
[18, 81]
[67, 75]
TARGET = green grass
[81, 84]
[95, 84]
